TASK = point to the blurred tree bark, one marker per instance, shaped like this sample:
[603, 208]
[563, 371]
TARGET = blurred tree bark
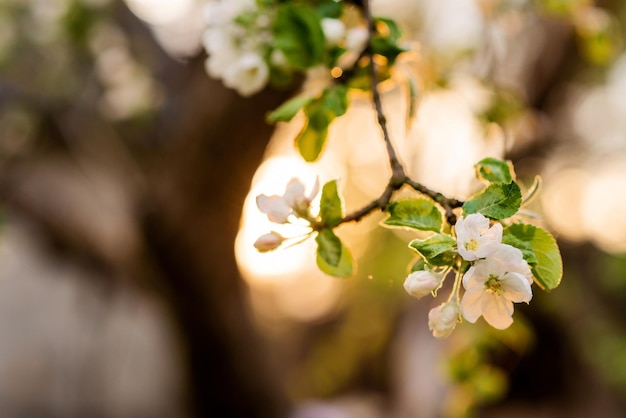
[183, 181]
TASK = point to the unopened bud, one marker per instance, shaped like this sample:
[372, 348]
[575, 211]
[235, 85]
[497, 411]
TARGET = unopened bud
[443, 319]
[421, 282]
[269, 241]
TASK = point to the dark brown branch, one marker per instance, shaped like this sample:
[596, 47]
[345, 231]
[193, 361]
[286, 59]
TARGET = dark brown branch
[398, 175]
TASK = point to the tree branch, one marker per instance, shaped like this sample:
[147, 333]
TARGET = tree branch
[398, 174]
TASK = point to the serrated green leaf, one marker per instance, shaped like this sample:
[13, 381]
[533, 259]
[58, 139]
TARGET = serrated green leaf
[546, 265]
[330, 204]
[289, 109]
[494, 170]
[298, 35]
[437, 250]
[497, 201]
[333, 258]
[419, 214]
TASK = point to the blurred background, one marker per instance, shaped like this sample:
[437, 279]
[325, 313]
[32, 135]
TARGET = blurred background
[129, 286]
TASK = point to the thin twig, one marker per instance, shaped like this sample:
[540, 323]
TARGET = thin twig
[398, 176]
[396, 167]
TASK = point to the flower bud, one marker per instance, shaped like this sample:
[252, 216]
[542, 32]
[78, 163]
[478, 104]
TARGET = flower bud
[421, 282]
[443, 319]
[269, 241]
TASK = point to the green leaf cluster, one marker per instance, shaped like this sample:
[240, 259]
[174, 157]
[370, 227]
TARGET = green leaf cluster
[298, 35]
[502, 197]
[385, 41]
[320, 112]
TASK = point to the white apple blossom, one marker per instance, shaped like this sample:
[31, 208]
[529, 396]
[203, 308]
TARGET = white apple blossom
[248, 74]
[493, 284]
[236, 49]
[269, 241]
[443, 319]
[422, 282]
[293, 201]
[356, 38]
[334, 30]
[475, 239]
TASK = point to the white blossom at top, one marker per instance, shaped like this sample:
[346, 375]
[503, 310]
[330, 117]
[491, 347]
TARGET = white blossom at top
[475, 239]
[293, 201]
[248, 74]
[236, 50]
[493, 284]
[334, 30]
[443, 319]
[356, 38]
[422, 282]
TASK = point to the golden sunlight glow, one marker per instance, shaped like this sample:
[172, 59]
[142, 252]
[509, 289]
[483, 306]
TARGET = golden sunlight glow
[285, 281]
[561, 200]
[604, 204]
[271, 178]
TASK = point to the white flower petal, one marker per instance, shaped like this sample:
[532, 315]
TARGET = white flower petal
[497, 310]
[471, 305]
[489, 241]
[516, 288]
[294, 193]
[274, 207]
[475, 239]
[474, 277]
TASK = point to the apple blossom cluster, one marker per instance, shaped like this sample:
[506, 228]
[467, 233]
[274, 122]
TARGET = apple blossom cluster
[252, 43]
[237, 40]
[293, 204]
[496, 277]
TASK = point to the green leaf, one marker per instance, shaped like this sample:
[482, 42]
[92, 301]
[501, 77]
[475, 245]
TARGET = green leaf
[393, 30]
[437, 250]
[494, 170]
[497, 201]
[386, 47]
[540, 251]
[298, 34]
[419, 214]
[335, 99]
[333, 258]
[310, 142]
[419, 265]
[289, 109]
[330, 204]
[320, 113]
[330, 9]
